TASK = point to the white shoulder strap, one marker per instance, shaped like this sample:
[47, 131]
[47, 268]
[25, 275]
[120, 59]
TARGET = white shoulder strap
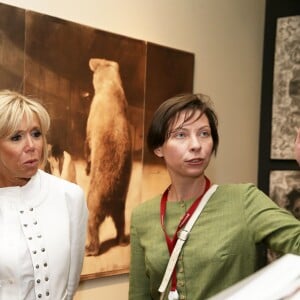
[182, 237]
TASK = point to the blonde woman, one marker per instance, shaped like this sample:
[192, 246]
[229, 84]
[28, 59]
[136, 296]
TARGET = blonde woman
[42, 217]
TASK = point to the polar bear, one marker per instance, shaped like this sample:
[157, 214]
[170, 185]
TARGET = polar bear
[108, 152]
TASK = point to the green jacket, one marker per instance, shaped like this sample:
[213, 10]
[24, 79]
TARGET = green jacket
[221, 248]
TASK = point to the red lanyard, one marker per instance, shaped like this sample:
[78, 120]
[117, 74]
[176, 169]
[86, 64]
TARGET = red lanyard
[183, 221]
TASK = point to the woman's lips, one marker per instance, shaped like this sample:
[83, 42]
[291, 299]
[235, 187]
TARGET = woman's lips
[31, 162]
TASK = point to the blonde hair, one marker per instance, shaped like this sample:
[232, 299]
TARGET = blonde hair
[13, 107]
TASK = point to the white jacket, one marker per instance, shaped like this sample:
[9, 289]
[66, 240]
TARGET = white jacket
[42, 238]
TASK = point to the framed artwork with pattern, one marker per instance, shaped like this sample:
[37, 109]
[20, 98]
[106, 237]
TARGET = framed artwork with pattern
[280, 95]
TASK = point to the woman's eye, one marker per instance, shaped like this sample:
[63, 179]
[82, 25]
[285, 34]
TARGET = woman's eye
[36, 133]
[179, 135]
[16, 137]
[204, 133]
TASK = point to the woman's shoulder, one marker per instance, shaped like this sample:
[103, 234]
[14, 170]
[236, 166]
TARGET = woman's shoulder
[147, 206]
[245, 191]
[72, 193]
[58, 184]
[236, 187]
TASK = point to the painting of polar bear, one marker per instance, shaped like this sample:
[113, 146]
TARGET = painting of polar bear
[108, 153]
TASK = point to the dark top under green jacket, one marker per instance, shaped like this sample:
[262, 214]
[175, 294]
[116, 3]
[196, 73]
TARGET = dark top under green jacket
[221, 248]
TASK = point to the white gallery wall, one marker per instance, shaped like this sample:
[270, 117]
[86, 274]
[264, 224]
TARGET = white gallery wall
[226, 37]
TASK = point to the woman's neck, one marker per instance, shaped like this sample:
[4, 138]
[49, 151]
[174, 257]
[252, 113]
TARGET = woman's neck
[10, 182]
[185, 190]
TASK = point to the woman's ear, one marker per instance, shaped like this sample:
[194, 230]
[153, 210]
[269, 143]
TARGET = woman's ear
[158, 152]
